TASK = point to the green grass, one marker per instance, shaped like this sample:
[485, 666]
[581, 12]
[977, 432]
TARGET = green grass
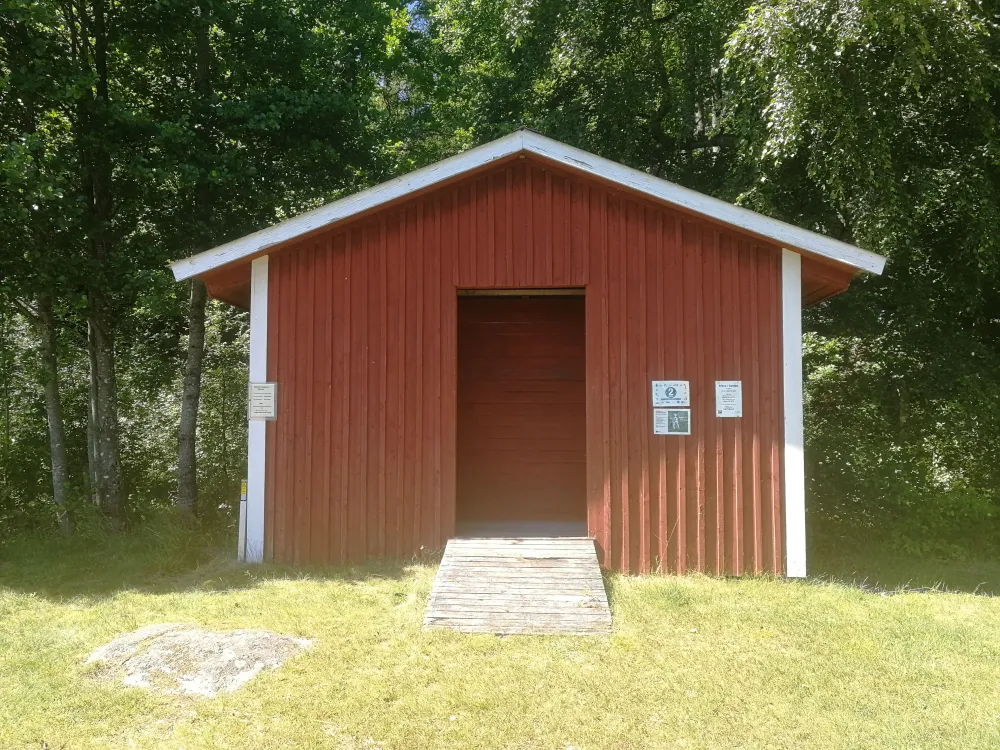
[694, 662]
[874, 563]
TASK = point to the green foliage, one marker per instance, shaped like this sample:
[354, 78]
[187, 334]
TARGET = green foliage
[877, 122]
[219, 118]
[24, 494]
[222, 423]
[96, 560]
[874, 121]
[868, 472]
[638, 82]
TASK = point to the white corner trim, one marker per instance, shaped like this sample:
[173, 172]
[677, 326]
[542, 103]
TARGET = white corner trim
[257, 431]
[779, 232]
[794, 464]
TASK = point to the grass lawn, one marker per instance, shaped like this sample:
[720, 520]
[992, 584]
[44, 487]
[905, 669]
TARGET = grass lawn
[693, 662]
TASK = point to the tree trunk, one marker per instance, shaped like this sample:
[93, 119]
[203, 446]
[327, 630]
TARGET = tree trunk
[5, 375]
[187, 461]
[107, 445]
[53, 410]
[93, 460]
[93, 112]
[187, 458]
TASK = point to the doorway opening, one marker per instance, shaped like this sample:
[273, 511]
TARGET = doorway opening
[521, 460]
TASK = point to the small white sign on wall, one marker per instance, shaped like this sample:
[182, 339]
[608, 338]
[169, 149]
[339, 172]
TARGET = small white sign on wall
[728, 398]
[671, 393]
[263, 401]
[671, 421]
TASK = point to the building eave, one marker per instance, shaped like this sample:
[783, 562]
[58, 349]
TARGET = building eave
[523, 141]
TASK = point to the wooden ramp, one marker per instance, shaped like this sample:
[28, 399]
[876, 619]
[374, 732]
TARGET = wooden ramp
[520, 585]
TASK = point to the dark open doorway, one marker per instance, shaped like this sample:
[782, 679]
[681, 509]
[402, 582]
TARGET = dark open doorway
[522, 460]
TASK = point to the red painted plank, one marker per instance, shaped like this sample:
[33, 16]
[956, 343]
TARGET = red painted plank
[679, 370]
[604, 248]
[655, 344]
[382, 310]
[326, 518]
[692, 345]
[642, 414]
[715, 511]
[432, 481]
[286, 427]
[415, 268]
[342, 320]
[409, 402]
[539, 207]
[400, 497]
[614, 383]
[736, 477]
[271, 438]
[449, 370]
[769, 324]
[374, 390]
[557, 213]
[319, 511]
[483, 269]
[304, 412]
[429, 374]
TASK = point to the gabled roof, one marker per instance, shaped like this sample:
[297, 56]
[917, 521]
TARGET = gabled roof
[529, 142]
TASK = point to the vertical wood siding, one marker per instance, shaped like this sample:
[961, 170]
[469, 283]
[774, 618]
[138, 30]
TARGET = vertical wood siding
[362, 341]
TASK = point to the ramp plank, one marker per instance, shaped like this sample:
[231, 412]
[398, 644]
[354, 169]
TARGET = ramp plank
[533, 585]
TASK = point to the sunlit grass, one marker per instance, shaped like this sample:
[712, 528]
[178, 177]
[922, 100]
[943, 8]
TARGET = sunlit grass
[693, 662]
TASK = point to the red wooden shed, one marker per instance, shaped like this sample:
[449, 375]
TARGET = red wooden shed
[529, 333]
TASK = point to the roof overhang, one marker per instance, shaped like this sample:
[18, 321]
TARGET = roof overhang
[528, 142]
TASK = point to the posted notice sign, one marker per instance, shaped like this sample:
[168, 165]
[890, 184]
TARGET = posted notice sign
[671, 421]
[728, 398]
[671, 393]
[263, 401]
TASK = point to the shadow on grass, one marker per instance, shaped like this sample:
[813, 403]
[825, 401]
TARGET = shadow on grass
[165, 555]
[159, 558]
[875, 565]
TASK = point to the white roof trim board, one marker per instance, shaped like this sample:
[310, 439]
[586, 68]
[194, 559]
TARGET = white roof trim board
[778, 232]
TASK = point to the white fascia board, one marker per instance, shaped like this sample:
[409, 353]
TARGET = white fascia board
[346, 207]
[782, 234]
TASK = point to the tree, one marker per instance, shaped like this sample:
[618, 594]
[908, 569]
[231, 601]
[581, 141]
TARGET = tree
[160, 129]
[636, 81]
[246, 133]
[877, 122]
[33, 216]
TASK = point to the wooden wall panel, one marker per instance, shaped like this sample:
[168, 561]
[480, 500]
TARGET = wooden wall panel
[363, 341]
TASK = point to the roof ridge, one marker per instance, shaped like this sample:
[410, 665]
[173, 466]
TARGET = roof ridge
[533, 142]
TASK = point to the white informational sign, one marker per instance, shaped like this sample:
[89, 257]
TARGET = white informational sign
[728, 398]
[671, 421]
[263, 402]
[671, 393]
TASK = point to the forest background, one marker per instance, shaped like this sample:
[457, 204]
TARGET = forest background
[137, 132]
